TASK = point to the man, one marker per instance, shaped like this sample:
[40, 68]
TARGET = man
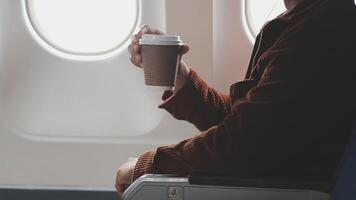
[289, 119]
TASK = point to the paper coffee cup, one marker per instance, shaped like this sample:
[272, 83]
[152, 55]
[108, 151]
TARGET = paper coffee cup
[160, 60]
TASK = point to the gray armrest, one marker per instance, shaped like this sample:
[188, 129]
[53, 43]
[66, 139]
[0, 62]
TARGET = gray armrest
[202, 179]
[163, 187]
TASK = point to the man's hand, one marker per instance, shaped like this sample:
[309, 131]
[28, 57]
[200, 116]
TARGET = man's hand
[124, 176]
[136, 57]
[135, 49]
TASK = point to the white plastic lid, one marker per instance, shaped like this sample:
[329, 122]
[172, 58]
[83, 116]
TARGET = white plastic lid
[151, 39]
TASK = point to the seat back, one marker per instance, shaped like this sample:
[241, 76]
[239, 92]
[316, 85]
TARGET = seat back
[345, 187]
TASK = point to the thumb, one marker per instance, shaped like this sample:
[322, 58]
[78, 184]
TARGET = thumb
[184, 49]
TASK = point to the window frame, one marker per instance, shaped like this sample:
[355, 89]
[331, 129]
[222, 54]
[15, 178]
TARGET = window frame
[246, 21]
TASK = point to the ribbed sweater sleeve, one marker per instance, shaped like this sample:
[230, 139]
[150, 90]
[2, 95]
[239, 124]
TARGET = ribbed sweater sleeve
[144, 165]
[197, 103]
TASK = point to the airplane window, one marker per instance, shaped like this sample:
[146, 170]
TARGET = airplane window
[84, 27]
[258, 12]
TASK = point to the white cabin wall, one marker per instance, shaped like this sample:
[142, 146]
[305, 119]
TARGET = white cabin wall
[193, 20]
[231, 45]
[214, 29]
[91, 163]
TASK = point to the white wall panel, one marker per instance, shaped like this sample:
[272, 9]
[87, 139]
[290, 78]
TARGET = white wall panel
[46, 95]
[231, 45]
[66, 122]
[63, 122]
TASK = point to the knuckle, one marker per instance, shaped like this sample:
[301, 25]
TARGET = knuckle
[137, 57]
[118, 173]
[132, 60]
[135, 47]
[117, 186]
[129, 48]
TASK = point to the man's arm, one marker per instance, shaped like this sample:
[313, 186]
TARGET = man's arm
[263, 129]
[197, 103]
[192, 100]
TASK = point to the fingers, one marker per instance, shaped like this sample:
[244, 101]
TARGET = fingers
[135, 51]
[120, 189]
[146, 29]
[143, 30]
[136, 60]
[124, 176]
[121, 183]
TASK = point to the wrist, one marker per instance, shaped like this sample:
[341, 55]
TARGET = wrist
[182, 75]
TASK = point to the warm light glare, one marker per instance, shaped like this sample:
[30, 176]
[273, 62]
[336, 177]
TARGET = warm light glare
[260, 11]
[84, 26]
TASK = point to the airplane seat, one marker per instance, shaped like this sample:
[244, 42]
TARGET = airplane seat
[198, 187]
[345, 186]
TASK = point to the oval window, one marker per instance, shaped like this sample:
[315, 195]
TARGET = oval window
[258, 12]
[84, 27]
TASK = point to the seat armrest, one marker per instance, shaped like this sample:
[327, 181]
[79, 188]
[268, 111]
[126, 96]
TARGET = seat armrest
[163, 187]
[259, 183]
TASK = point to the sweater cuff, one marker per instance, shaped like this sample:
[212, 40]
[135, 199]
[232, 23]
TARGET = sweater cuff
[144, 165]
[183, 102]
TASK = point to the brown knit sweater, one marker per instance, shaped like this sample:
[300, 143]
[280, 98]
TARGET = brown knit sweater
[289, 119]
